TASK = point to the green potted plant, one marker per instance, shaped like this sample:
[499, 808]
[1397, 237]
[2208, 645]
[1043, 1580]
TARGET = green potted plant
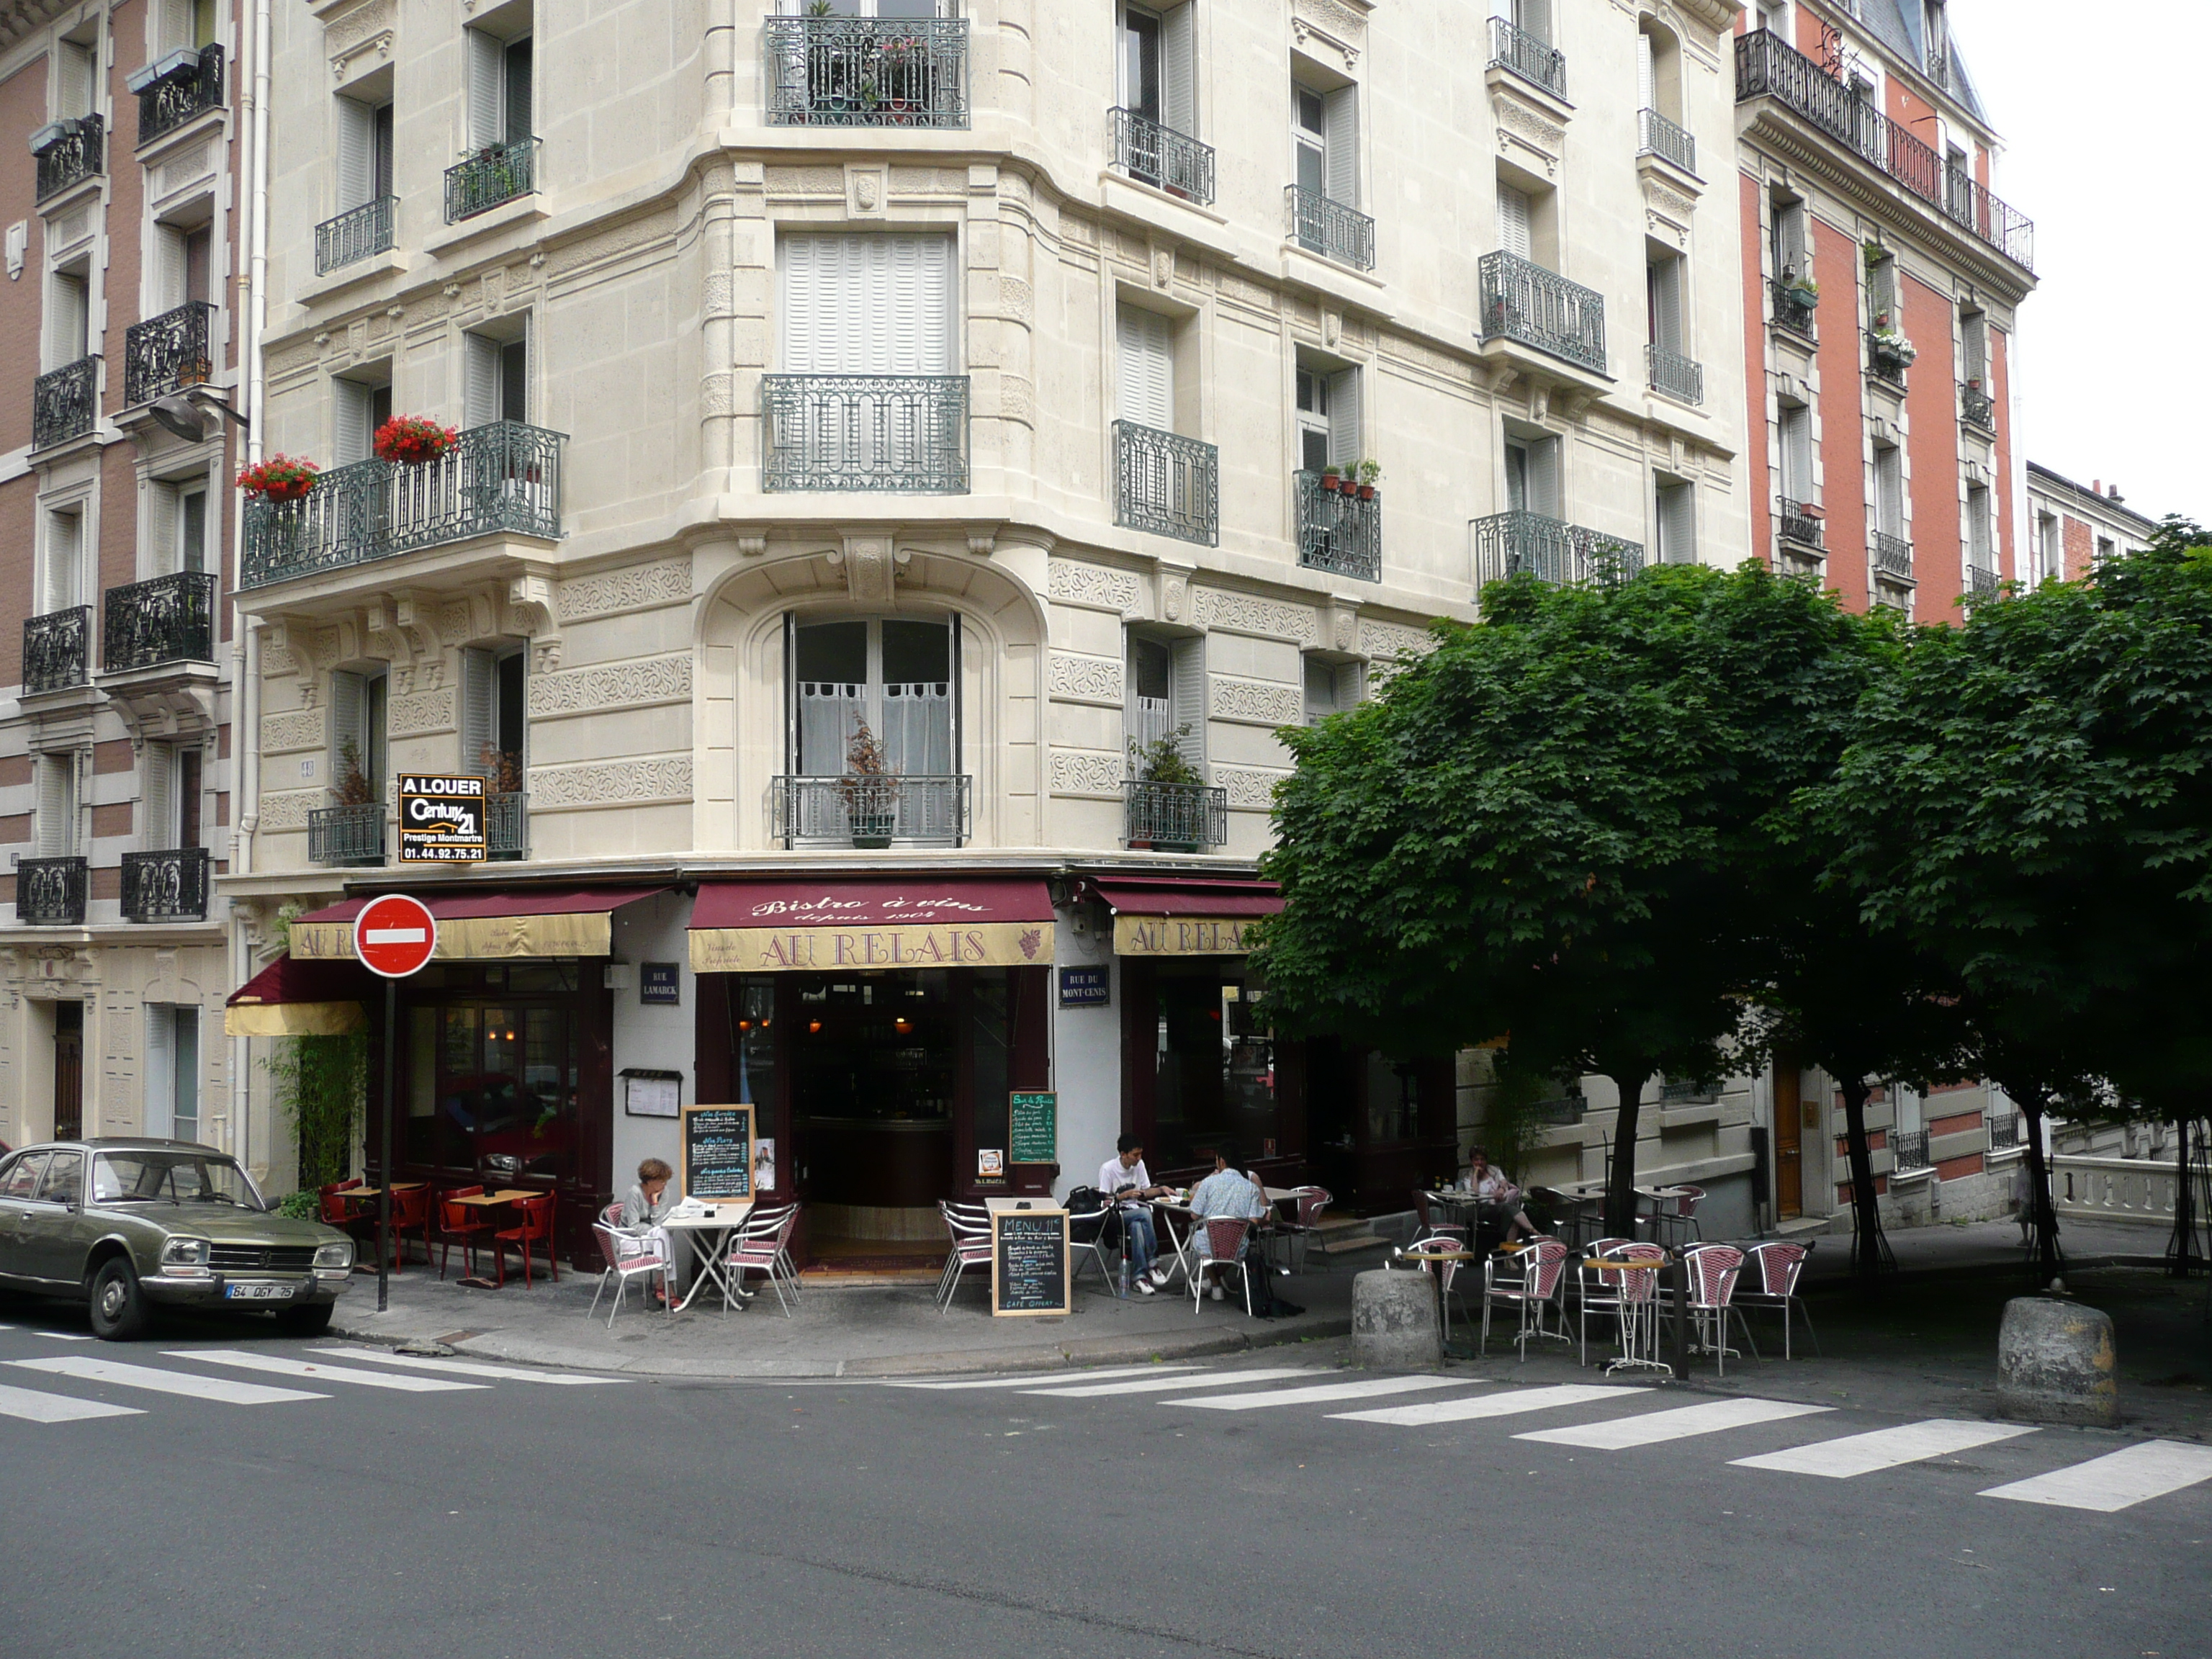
[1162, 762]
[1801, 289]
[1370, 473]
[353, 788]
[870, 787]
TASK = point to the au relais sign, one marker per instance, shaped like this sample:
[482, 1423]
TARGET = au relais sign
[777, 929]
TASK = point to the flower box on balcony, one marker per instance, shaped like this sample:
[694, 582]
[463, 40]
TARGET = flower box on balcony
[279, 478]
[411, 440]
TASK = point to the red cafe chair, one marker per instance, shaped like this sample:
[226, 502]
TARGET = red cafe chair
[536, 1227]
[462, 1224]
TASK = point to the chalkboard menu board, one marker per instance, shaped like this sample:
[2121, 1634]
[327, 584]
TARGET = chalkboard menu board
[718, 1153]
[1034, 1137]
[1028, 1262]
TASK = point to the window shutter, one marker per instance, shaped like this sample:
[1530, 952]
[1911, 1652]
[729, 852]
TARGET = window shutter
[1544, 477]
[479, 381]
[1147, 369]
[1320, 691]
[1344, 417]
[73, 69]
[1797, 454]
[1350, 684]
[1179, 71]
[1889, 492]
[64, 561]
[802, 302]
[346, 708]
[351, 435]
[191, 530]
[160, 529]
[184, 1074]
[1666, 304]
[518, 113]
[479, 690]
[176, 24]
[67, 320]
[1516, 477]
[1882, 291]
[485, 62]
[57, 806]
[159, 832]
[1678, 524]
[1790, 249]
[1340, 132]
[1513, 222]
[1976, 329]
[357, 152]
[1534, 17]
[1190, 658]
[161, 1069]
[1646, 82]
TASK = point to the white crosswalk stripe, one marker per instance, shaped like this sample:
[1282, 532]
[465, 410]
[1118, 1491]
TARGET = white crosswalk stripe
[2117, 1480]
[1654, 1428]
[470, 1367]
[1169, 1385]
[1035, 1377]
[280, 1366]
[68, 1336]
[221, 1389]
[1883, 1449]
[34, 1407]
[1508, 1403]
[1320, 1395]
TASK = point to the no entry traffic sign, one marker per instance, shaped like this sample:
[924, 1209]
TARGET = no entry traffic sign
[395, 935]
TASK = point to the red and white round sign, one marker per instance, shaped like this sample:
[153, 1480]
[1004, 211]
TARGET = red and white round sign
[395, 935]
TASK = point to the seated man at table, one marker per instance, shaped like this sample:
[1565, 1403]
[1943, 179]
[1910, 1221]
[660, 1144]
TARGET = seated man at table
[1498, 1200]
[1124, 1177]
[1229, 1192]
[644, 1208]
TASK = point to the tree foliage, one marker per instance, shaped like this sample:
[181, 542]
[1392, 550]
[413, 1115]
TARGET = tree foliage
[318, 1084]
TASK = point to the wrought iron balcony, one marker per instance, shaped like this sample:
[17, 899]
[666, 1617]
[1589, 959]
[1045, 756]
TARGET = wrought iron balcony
[2003, 1132]
[64, 404]
[1892, 555]
[901, 434]
[1658, 135]
[1797, 525]
[354, 234]
[1550, 550]
[188, 91]
[1908, 1149]
[1789, 312]
[507, 824]
[1329, 228]
[346, 834]
[1768, 68]
[1522, 301]
[1983, 583]
[1977, 407]
[1528, 56]
[1670, 372]
[1560, 1111]
[1162, 157]
[500, 478]
[866, 71]
[169, 619]
[1884, 361]
[1172, 818]
[57, 652]
[496, 173]
[168, 351]
[50, 892]
[76, 151]
[872, 811]
[170, 886]
[1166, 483]
[1339, 533]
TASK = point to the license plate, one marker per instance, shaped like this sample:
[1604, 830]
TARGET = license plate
[257, 1293]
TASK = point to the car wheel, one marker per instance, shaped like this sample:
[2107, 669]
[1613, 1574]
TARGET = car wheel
[118, 1308]
[311, 1320]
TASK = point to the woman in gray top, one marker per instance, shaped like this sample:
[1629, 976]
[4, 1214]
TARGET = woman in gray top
[642, 1210]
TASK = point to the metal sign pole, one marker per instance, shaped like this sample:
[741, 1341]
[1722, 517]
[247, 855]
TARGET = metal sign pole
[384, 1154]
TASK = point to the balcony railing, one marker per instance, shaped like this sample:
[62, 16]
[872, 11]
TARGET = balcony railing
[496, 173]
[354, 234]
[50, 892]
[1551, 550]
[501, 477]
[1908, 1149]
[1884, 361]
[346, 834]
[2004, 1132]
[1788, 312]
[1983, 583]
[902, 433]
[507, 824]
[1339, 533]
[1892, 555]
[57, 650]
[1560, 1111]
[866, 71]
[1977, 408]
[168, 351]
[1162, 157]
[1320, 225]
[64, 404]
[1797, 525]
[1522, 301]
[169, 619]
[872, 811]
[1658, 135]
[1166, 483]
[169, 886]
[1528, 56]
[1766, 68]
[1670, 372]
[1175, 817]
[188, 91]
[78, 151]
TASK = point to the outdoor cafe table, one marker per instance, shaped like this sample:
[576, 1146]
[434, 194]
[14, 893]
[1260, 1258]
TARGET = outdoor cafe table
[1639, 1325]
[707, 1235]
[1182, 1245]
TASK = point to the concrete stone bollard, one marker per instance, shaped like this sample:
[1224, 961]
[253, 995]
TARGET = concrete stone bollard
[1395, 1322]
[2057, 1363]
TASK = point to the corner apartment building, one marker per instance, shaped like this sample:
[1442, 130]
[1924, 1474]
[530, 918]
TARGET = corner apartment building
[908, 465]
[2071, 529]
[121, 212]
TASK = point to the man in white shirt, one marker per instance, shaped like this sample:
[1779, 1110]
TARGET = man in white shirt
[1124, 1177]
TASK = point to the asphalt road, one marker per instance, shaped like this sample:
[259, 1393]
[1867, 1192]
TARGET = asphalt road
[519, 1516]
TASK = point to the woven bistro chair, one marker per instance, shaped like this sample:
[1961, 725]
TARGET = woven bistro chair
[1425, 1254]
[1220, 1240]
[1771, 1270]
[1298, 1233]
[1713, 1270]
[626, 1260]
[969, 1228]
[763, 1246]
[1529, 1282]
[1429, 1226]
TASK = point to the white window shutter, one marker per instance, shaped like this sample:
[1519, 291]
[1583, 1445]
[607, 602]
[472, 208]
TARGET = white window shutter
[1975, 329]
[357, 152]
[1789, 252]
[160, 529]
[1666, 304]
[191, 530]
[65, 562]
[1889, 492]
[1513, 222]
[159, 832]
[352, 440]
[1797, 454]
[802, 302]
[1516, 477]
[161, 1070]
[1544, 477]
[933, 335]
[57, 806]
[1646, 79]
[1179, 71]
[487, 120]
[1350, 684]
[1534, 16]
[1344, 417]
[898, 269]
[1146, 368]
[518, 116]
[479, 381]
[479, 689]
[73, 69]
[1678, 524]
[1881, 290]
[347, 706]
[1189, 658]
[176, 24]
[1340, 132]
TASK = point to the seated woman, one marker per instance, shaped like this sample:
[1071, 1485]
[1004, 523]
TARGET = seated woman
[1498, 1200]
[647, 1202]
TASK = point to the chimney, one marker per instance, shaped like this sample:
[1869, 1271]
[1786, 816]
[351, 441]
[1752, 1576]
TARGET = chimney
[2096, 486]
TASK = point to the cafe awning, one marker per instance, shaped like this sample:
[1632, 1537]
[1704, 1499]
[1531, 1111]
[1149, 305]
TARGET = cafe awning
[291, 998]
[786, 926]
[1169, 916]
[529, 922]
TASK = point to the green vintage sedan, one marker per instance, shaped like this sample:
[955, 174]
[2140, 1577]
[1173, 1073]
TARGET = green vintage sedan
[131, 1225]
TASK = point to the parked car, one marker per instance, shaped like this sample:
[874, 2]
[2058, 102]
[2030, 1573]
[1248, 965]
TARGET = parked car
[129, 1226]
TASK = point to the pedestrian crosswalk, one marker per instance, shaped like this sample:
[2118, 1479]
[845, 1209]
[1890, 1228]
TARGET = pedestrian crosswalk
[157, 1380]
[1884, 1449]
[2117, 1480]
[1655, 1428]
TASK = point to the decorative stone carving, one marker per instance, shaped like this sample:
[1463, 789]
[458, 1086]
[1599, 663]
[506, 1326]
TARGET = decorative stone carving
[863, 191]
[869, 565]
[1254, 702]
[1071, 677]
[1174, 592]
[639, 587]
[1383, 639]
[1346, 631]
[1248, 613]
[1163, 268]
[1093, 585]
[636, 684]
[287, 810]
[1521, 125]
[1249, 789]
[424, 712]
[1086, 772]
[614, 783]
[1017, 302]
[1667, 211]
[1327, 28]
[301, 729]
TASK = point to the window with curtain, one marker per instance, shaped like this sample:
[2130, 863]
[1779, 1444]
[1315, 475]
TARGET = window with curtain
[1328, 417]
[897, 674]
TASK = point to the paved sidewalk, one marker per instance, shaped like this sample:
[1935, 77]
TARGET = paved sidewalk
[1989, 1246]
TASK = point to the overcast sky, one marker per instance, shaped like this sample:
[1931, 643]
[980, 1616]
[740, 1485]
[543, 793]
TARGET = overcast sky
[2106, 115]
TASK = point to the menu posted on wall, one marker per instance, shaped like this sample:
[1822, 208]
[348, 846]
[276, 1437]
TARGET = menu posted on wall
[1028, 1262]
[718, 1153]
[1033, 1135]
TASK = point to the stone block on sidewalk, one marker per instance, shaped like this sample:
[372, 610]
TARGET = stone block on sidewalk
[1394, 1321]
[2055, 1362]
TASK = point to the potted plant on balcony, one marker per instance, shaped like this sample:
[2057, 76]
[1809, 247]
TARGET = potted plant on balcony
[870, 787]
[1162, 762]
[279, 478]
[1890, 343]
[353, 788]
[1800, 290]
[411, 439]
[1370, 473]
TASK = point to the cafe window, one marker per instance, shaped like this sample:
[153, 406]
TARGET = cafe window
[896, 675]
[1212, 1063]
[493, 1072]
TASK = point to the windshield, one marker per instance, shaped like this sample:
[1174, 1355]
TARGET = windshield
[158, 1177]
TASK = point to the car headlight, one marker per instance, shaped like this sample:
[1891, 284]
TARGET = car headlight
[185, 1253]
[339, 1254]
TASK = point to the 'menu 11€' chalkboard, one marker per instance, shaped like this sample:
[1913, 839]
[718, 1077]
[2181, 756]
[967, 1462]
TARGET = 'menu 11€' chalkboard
[718, 1153]
[1028, 1262]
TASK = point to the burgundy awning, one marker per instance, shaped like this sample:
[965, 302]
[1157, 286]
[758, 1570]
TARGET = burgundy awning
[292, 997]
[528, 921]
[779, 925]
[1172, 916]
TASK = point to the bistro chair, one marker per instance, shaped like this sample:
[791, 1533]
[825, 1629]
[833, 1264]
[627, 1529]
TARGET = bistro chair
[1529, 1281]
[1571, 1213]
[1675, 1215]
[335, 1211]
[1771, 1269]
[535, 1227]
[1086, 1242]
[1220, 1240]
[1299, 1232]
[1429, 1226]
[969, 1227]
[763, 1246]
[1434, 1255]
[411, 1210]
[1595, 1292]
[1639, 1299]
[635, 1264]
[1713, 1269]
[460, 1222]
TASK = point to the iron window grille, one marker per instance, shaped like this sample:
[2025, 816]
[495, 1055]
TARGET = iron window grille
[1681, 378]
[507, 824]
[1522, 301]
[1908, 1149]
[495, 173]
[1339, 533]
[900, 433]
[1321, 225]
[1658, 135]
[166, 352]
[1892, 555]
[1977, 408]
[2004, 1132]
[64, 404]
[1798, 525]
[171, 886]
[167, 619]
[1560, 1111]
[354, 234]
[866, 71]
[1166, 483]
[1176, 814]
[78, 151]
[1983, 583]
[915, 811]
[1162, 157]
[57, 652]
[182, 95]
[50, 892]
[1519, 543]
[1530, 57]
[1788, 312]
[346, 834]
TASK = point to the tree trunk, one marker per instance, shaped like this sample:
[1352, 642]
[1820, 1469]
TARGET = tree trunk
[1868, 1249]
[1620, 1189]
[2181, 1248]
[2039, 1178]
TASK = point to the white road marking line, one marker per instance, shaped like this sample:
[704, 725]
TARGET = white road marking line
[220, 1389]
[283, 1367]
[1063, 1377]
[67, 1336]
[1320, 1394]
[34, 1407]
[1883, 1449]
[1164, 1384]
[2118, 1480]
[1653, 1428]
[470, 1368]
[1507, 1404]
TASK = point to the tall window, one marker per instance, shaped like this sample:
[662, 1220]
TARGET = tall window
[173, 1072]
[176, 525]
[1981, 549]
[2050, 556]
[1531, 17]
[1675, 520]
[1797, 453]
[1974, 348]
[1662, 292]
[1325, 137]
[1532, 476]
[1144, 345]
[492, 714]
[173, 797]
[358, 702]
[868, 305]
[188, 23]
[56, 777]
[1166, 694]
[1330, 687]
[359, 408]
[496, 378]
[1328, 418]
[75, 81]
[499, 90]
[183, 262]
[1793, 252]
[63, 587]
[1159, 78]
[1881, 294]
[69, 318]
[1889, 491]
[364, 153]
[894, 674]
